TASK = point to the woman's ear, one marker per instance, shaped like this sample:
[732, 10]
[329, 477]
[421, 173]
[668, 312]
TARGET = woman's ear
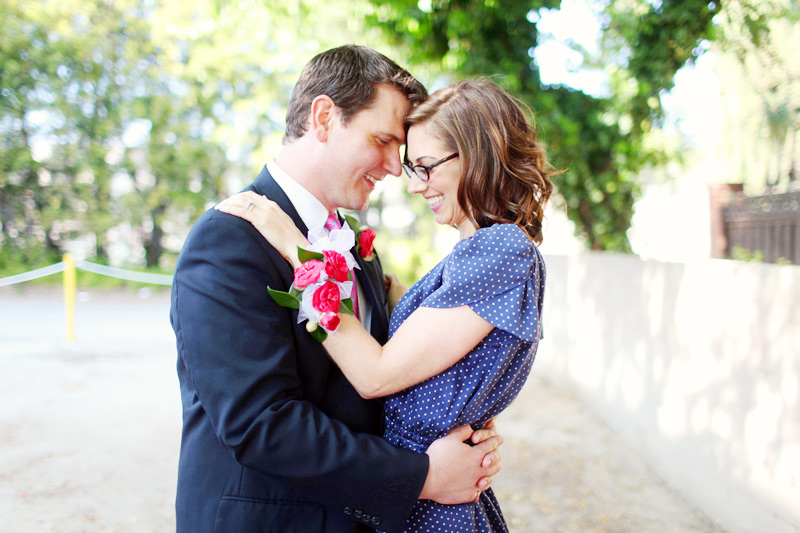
[323, 112]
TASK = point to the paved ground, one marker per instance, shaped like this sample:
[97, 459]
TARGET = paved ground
[89, 433]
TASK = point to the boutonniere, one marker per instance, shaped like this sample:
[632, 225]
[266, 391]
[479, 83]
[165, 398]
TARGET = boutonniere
[365, 236]
[322, 284]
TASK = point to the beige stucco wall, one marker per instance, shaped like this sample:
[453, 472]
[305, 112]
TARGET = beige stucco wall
[696, 364]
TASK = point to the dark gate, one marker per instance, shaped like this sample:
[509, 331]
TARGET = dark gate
[767, 224]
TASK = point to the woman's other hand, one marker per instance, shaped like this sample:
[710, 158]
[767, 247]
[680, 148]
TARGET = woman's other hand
[394, 290]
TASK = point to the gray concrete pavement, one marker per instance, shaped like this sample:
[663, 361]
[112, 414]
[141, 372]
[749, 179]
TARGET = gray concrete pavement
[89, 433]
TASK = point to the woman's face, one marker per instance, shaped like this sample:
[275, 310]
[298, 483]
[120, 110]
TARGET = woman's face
[441, 190]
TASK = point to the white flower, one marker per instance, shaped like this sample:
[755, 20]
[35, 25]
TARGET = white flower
[338, 240]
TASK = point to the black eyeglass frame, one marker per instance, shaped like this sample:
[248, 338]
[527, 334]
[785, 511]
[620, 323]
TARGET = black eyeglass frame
[412, 169]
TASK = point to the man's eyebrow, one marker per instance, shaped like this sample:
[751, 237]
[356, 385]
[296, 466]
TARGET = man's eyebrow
[392, 136]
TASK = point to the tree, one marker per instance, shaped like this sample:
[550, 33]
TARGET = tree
[80, 77]
[132, 117]
[138, 114]
[654, 40]
[68, 68]
[599, 141]
[25, 66]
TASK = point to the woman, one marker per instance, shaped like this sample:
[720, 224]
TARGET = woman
[464, 337]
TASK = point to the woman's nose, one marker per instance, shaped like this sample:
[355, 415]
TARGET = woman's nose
[416, 185]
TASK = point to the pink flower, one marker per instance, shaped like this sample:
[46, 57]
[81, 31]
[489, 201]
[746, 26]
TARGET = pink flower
[336, 265]
[326, 298]
[307, 273]
[329, 321]
[365, 243]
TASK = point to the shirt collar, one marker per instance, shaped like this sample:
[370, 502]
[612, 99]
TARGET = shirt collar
[310, 209]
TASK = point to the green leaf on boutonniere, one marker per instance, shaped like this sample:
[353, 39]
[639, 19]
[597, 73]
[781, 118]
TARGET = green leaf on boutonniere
[307, 255]
[352, 222]
[319, 334]
[346, 306]
[284, 299]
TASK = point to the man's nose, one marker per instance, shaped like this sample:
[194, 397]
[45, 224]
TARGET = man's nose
[392, 163]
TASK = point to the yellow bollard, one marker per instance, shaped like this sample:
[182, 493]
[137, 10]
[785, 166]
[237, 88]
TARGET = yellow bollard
[69, 295]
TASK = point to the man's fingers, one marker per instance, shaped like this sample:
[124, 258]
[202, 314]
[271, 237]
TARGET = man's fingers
[490, 455]
[488, 430]
[492, 469]
[490, 459]
[462, 432]
[482, 435]
[490, 444]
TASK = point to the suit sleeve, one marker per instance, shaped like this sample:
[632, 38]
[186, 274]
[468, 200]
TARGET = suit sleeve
[239, 349]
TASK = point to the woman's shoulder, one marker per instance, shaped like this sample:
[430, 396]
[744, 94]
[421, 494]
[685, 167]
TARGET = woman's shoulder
[500, 252]
[498, 272]
[494, 240]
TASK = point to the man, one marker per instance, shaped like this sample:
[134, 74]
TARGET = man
[274, 437]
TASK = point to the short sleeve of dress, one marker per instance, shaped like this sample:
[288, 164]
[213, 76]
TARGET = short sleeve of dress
[500, 274]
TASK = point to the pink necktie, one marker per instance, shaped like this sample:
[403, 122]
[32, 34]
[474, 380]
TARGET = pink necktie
[332, 223]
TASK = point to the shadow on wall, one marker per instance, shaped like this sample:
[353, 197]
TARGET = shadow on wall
[697, 365]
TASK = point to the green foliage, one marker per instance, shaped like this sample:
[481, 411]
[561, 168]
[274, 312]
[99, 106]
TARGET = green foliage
[306, 255]
[743, 254]
[77, 75]
[740, 253]
[478, 38]
[599, 187]
[23, 64]
[659, 41]
[284, 299]
[599, 142]
[124, 121]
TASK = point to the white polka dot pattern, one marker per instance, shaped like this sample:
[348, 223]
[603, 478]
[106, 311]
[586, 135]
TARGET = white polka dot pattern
[500, 274]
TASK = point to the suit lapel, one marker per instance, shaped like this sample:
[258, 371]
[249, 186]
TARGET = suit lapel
[370, 275]
[266, 185]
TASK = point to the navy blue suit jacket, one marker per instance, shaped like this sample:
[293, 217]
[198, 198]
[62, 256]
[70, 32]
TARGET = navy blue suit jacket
[274, 437]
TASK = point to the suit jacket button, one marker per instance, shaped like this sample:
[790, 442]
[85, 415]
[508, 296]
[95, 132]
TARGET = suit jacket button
[358, 513]
[348, 510]
[366, 518]
[376, 521]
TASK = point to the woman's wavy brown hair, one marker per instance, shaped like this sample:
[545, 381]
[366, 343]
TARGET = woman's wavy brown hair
[505, 177]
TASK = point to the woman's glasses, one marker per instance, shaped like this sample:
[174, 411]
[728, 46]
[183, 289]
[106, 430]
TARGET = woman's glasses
[423, 172]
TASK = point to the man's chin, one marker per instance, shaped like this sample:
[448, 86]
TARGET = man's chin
[360, 203]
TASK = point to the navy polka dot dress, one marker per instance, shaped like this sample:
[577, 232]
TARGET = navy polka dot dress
[500, 274]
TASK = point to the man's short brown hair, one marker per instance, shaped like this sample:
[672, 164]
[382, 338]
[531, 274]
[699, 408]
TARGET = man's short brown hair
[349, 75]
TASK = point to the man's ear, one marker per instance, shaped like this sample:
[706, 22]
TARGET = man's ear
[323, 114]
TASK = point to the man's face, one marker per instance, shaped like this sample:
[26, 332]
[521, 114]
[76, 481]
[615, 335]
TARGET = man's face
[363, 152]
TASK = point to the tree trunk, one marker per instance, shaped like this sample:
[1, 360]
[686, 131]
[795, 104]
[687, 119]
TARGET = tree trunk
[152, 242]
